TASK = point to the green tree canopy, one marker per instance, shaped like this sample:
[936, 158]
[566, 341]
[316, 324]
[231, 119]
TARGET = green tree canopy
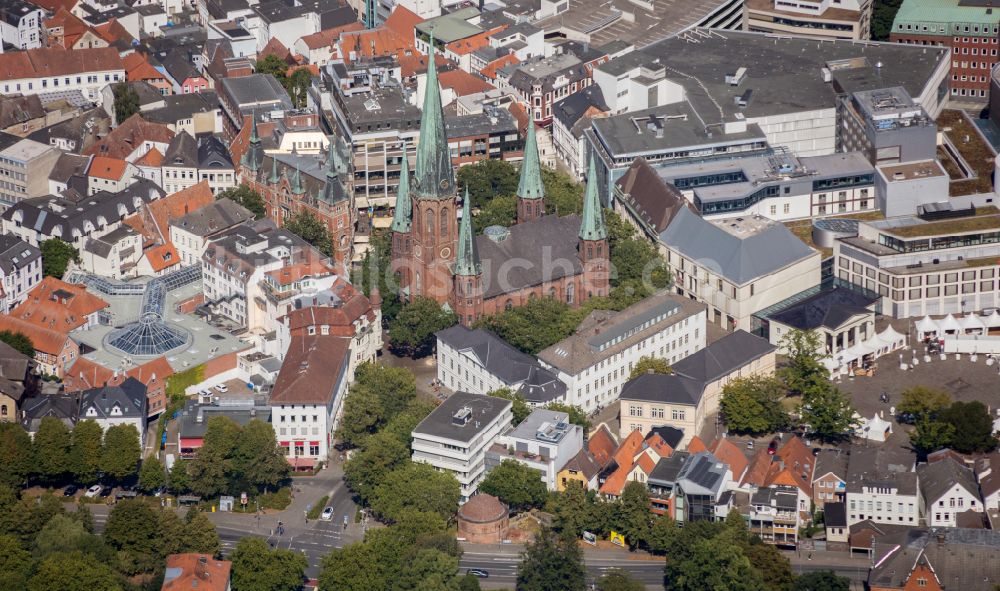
[517, 485]
[519, 406]
[632, 515]
[52, 449]
[412, 331]
[258, 568]
[416, 486]
[922, 402]
[648, 364]
[828, 412]
[824, 580]
[382, 453]
[297, 85]
[274, 66]
[142, 535]
[121, 451]
[488, 179]
[208, 472]
[86, 449]
[883, 14]
[804, 372]
[355, 567]
[73, 571]
[379, 393]
[256, 460]
[152, 475]
[178, 480]
[308, 227]
[19, 341]
[16, 455]
[563, 195]
[973, 427]
[15, 563]
[552, 562]
[199, 533]
[246, 196]
[616, 579]
[576, 415]
[534, 326]
[499, 211]
[56, 256]
[754, 405]
[64, 534]
[126, 102]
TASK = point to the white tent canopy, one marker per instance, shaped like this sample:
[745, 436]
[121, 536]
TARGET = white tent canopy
[891, 338]
[972, 322]
[926, 325]
[992, 320]
[949, 324]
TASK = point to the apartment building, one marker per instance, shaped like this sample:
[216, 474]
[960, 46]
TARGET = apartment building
[20, 271]
[948, 489]
[773, 515]
[25, 166]
[241, 97]
[191, 232]
[969, 29]
[544, 441]
[37, 71]
[882, 487]
[308, 396]
[822, 19]
[542, 81]
[457, 434]
[596, 360]
[21, 24]
[925, 267]
[113, 405]
[737, 267]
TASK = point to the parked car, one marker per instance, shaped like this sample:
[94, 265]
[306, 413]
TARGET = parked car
[93, 491]
[222, 388]
[205, 393]
[70, 491]
[478, 572]
[327, 514]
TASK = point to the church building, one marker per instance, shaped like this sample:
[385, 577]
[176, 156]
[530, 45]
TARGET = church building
[436, 254]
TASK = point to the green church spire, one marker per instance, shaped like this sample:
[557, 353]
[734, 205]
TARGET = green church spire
[530, 186]
[467, 256]
[402, 218]
[275, 175]
[592, 227]
[297, 187]
[434, 177]
[253, 158]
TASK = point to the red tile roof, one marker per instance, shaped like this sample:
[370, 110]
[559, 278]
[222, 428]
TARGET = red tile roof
[43, 340]
[128, 136]
[730, 454]
[73, 27]
[56, 61]
[55, 6]
[311, 370]
[463, 83]
[602, 445]
[275, 47]
[403, 21]
[490, 71]
[113, 31]
[57, 305]
[152, 158]
[628, 449]
[85, 374]
[162, 256]
[196, 571]
[329, 37]
[137, 67]
[696, 445]
[103, 167]
[288, 275]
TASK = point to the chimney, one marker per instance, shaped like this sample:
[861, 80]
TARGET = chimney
[940, 538]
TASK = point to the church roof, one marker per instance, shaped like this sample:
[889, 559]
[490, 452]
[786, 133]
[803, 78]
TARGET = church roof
[549, 238]
[592, 227]
[434, 176]
[467, 255]
[402, 218]
[530, 186]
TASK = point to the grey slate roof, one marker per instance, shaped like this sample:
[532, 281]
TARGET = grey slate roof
[102, 246]
[693, 373]
[16, 254]
[551, 236]
[783, 498]
[15, 110]
[702, 474]
[182, 106]
[126, 400]
[256, 89]
[214, 217]
[881, 467]
[667, 469]
[964, 559]
[485, 409]
[830, 308]
[835, 514]
[739, 260]
[69, 165]
[212, 153]
[570, 109]
[14, 367]
[65, 407]
[831, 461]
[182, 151]
[937, 478]
[46, 214]
[504, 361]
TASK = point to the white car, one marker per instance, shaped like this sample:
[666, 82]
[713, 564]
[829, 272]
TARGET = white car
[327, 514]
[222, 388]
[93, 491]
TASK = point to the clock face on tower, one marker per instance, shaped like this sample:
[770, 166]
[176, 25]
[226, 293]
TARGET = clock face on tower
[445, 252]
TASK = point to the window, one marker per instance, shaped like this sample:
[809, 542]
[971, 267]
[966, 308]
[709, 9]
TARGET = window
[430, 222]
[445, 222]
[634, 410]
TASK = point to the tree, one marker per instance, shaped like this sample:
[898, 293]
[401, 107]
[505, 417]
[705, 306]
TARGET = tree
[274, 66]
[774, 568]
[73, 571]
[517, 485]
[16, 455]
[363, 414]
[469, 583]
[51, 449]
[499, 211]
[412, 331]
[85, 451]
[376, 271]
[713, 564]
[63, 534]
[135, 529]
[534, 326]
[662, 534]
[488, 179]
[552, 562]
[308, 227]
[56, 257]
[754, 405]
[247, 197]
[804, 372]
[199, 533]
[179, 482]
[19, 341]
[257, 460]
[208, 472]
[152, 476]
[973, 427]
[828, 413]
[121, 452]
[382, 453]
[126, 102]
[563, 195]
[824, 580]
[416, 486]
[297, 85]
[519, 406]
[648, 364]
[930, 436]
[883, 14]
[15, 563]
[379, 393]
[257, 568]
[616, 579]
[922, 402]
[632, 516]
[27, 517]
[352, 568]
[636, 260]
[570, 509]
[429, 569]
